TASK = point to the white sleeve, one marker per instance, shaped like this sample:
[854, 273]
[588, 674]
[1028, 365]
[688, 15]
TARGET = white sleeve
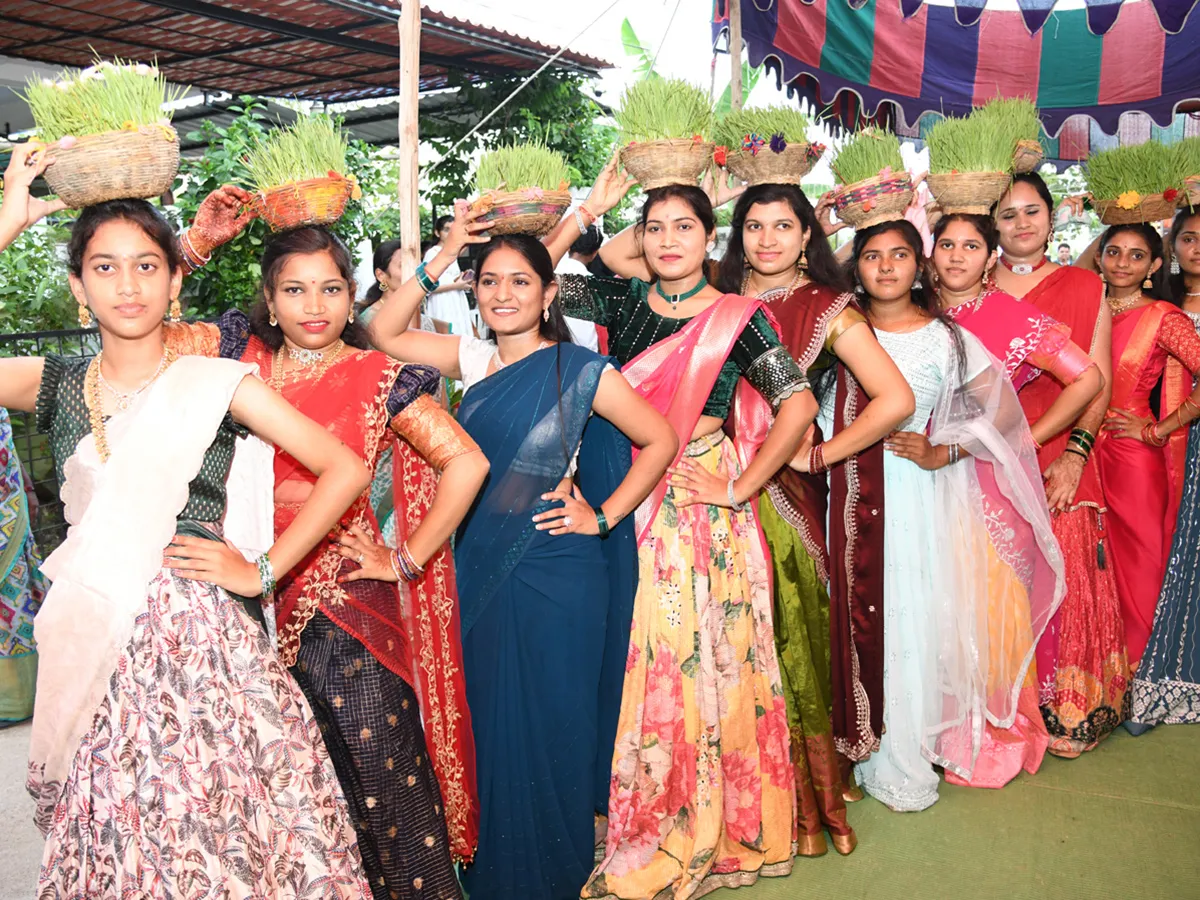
[474, 356]
[978, 360]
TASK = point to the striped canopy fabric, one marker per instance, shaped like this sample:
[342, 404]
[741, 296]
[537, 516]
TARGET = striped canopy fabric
[923, 58]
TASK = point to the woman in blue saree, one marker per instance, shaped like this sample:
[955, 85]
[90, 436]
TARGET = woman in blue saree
[545, 580]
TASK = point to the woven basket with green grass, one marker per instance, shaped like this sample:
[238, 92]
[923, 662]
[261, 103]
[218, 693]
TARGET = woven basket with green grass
[1014, 123]
[665, 124]
[1187, 153]
[524, 189]
[768, 146]
[970, 162]
[1128, 185]
[874, 186]
[107, 131]
[298, 171]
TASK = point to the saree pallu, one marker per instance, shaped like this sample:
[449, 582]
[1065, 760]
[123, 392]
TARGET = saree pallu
[831, 708]
[1143, 484]
[703, 791]
[22, 586]
[1081, 662]
[1029, 585]
[545, 625]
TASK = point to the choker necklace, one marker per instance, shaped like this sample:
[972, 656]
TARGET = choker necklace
[1120, 306]
[1192, 294]
[676, 299]
[310, 364]
[124, 399]
[303, 357]
[1024, 268]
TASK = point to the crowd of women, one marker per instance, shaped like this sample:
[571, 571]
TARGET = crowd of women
[809, 528]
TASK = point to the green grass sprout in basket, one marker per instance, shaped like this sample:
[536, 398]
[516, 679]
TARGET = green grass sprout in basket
[1187, 156]
[767, 123]
[974, 144]
[522, 166]
[662, 109]
[108, 96]
[1011, 120]
[870, 151]
[310, 148]
[1149, 168]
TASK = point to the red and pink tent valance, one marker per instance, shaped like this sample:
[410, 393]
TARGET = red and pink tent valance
[922, 57]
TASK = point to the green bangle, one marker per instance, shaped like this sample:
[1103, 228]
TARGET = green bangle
[428, 284]
[602, 523]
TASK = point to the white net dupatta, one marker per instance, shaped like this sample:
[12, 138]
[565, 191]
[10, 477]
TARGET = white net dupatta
[1001, 572]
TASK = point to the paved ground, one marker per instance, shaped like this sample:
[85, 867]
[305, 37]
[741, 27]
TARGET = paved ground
[21, 846]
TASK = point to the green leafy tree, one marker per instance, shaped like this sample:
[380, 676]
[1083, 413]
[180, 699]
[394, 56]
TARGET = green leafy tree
[34, 293]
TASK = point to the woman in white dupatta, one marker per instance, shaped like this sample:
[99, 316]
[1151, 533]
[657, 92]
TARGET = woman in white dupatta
[172, 755]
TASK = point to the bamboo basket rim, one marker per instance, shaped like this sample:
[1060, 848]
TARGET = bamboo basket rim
[301, 193]
[542, 214]
[144, 163]
[756, 169]
[1025, 150]
[1150, 208]
[894, 201]
[690, 156]
[970, 193]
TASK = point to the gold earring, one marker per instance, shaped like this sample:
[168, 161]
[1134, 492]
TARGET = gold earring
[272, 319]
[802, 262]
[350, 318]
[1147, 284]
[85, 316]
[384, 287]
[175, 311]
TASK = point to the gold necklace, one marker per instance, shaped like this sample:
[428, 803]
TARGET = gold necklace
[1120, 306]
[800, 280]
[95, 402]
[304, 372]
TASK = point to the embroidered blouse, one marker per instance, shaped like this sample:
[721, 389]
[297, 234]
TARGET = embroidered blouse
[623, 308]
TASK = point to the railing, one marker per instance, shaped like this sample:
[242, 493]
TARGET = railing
[33, 446]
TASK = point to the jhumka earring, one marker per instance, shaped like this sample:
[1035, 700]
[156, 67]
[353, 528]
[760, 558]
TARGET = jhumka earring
[1175, 270]
[916, 286]
[175, 311]
[802, 262]
[384, 287]
[350, 318]
[85, 316]
[1147, 284]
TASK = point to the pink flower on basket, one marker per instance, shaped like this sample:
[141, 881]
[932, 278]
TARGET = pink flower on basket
[885, 172]
[67, 142]
[535, 193]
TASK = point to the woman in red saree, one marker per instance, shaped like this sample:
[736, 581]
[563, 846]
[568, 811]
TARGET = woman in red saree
[832, 676]
[1026, 342]
[373, 661]
[1083, 672]
[702, 793]
[1141, 460]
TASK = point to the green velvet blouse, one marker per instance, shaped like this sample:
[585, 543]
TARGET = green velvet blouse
[62, 414]
[622, 307]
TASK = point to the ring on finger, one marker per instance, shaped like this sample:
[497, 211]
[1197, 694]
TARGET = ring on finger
[359, 559]
[567, 521]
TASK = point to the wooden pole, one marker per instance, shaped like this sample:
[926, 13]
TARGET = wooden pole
[735, 54]
[410, 67]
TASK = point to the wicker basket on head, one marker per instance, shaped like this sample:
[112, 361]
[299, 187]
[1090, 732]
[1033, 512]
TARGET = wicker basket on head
[1149, 208]
[317, 201]
[1189, 197]
[873, 200]
[657, 164]
[968, 192]
[531, 211]
[768, 167]
[1027, 156]
[115, 165]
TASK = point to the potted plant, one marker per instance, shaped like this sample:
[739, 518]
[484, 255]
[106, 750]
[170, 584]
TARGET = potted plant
[523, 189]
[107, 129]
[874, 185]
[664, 125]
[1015, 122]
[299, 174]
[970, 161]
[1135, 184]
[768, 145]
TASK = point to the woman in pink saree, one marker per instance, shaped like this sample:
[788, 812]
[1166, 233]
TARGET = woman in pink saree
[702, 792]
[1026, 342]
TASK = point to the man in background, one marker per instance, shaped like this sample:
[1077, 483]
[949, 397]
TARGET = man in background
[1064, 254]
